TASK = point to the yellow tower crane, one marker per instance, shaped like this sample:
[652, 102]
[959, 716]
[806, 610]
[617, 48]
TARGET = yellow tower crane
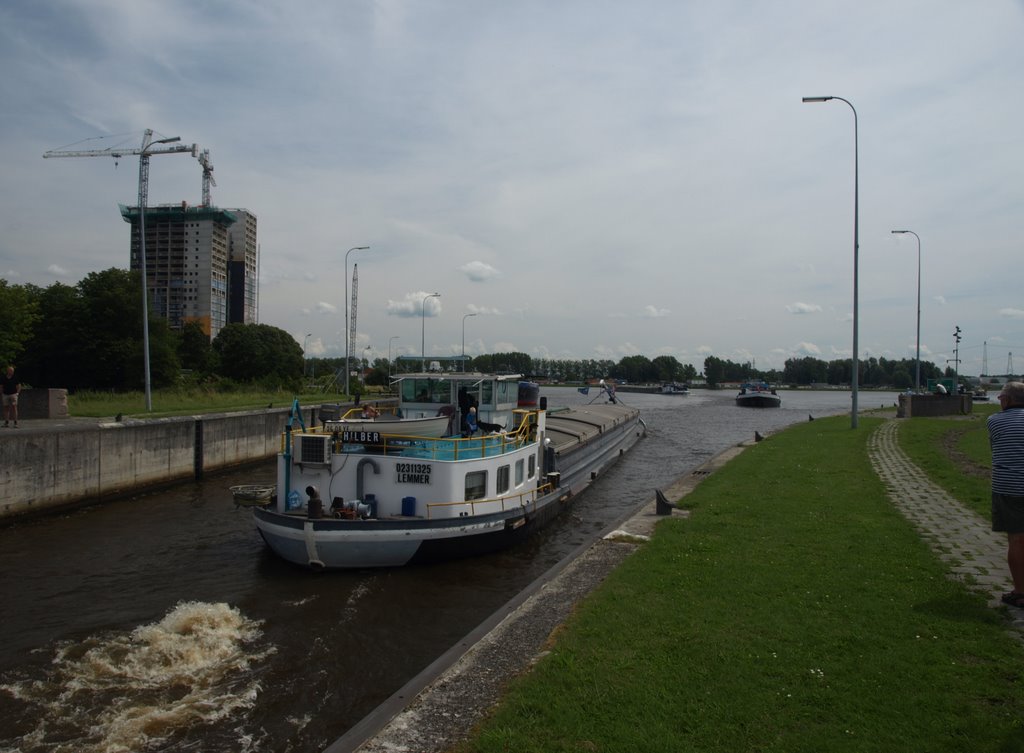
[148, 148]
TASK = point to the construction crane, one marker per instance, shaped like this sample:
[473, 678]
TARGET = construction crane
[145, 151]
[204, 160]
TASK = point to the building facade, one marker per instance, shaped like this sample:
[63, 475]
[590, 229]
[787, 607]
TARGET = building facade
[195, 259]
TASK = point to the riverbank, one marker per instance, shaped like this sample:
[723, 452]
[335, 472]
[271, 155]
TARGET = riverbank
[796, 609]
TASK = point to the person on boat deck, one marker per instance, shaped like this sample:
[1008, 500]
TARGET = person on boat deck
[464, 405]
[471, 427]
[370, 411]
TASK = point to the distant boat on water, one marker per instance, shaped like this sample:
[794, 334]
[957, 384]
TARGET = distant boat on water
[758, 395]
[675, 388]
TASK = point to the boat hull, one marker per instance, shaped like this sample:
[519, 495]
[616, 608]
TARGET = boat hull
[326, 543]
[330, 544]
[759, 401]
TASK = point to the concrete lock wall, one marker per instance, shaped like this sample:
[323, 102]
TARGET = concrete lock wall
[934, 405]
[43, 403]
[41, 471]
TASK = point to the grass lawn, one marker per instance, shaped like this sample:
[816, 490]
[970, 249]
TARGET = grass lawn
[188, 402]
[796, 610]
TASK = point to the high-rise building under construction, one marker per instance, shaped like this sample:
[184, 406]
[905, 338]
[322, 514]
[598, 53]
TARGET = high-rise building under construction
[201, 264]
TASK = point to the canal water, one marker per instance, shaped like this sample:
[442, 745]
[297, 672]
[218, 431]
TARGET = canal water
[161, 623]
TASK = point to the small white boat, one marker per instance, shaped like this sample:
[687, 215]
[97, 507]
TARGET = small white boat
[758, 395]
[675, 388]
[388, 424]
[362, 497]
[248, 495]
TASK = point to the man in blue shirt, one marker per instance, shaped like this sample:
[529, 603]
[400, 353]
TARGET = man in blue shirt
[1006, 436]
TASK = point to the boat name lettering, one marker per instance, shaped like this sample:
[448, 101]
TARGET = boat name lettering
[413, 473]
[364, 437]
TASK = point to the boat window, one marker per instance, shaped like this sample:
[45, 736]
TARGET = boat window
[519, 473]
[533, 466]
[503, 474]
[476, 485]
[487, 392]
[426, 391]
[503, 392]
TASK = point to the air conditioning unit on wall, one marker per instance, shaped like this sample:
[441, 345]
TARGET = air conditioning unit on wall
[312, 449]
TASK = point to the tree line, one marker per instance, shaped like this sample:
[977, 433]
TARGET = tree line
[88, 336]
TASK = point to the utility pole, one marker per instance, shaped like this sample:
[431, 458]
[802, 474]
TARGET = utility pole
[956, 359]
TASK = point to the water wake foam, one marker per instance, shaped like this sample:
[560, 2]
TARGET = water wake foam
[127, 692]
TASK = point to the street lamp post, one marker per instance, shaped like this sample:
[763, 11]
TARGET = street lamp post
[367, 352]
[423, 330]
[464, 339]
[917, 367]
[304, 341]
[856, 253]
[355, 248]
[144, 153]
[394, 337]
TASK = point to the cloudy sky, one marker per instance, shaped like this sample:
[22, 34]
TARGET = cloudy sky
[592, 179]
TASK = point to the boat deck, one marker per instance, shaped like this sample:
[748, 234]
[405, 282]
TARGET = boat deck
[578, 425]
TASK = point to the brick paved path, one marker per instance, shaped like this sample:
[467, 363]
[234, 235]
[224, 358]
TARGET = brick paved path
[960, 537]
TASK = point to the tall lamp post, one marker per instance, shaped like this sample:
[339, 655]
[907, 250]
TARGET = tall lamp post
[856, 251]
[917, 367]
[304, 341]
[355, 248]
[367, 353]
[423, 330]
[464, 318]
[394, 337]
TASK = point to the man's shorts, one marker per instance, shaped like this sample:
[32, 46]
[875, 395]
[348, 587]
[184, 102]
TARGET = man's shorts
[1007, 513]
[11, 399]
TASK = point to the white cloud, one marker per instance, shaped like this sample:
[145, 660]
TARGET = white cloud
[652, 312]
[322, 307]
[478, 271]
[803, 308]
[807, 349]
[1010, 313]
[485, 310]
[417, 304]
[57, 270]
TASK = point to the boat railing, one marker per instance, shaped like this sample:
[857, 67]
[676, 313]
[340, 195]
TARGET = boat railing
[525, 499]
[428, 448]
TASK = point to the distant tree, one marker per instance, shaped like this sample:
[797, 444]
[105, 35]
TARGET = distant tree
[806, 370]
[636, 369]
[714, 371]
[194, 349]
[111, 346]
[19, 309]
[668, 369]
[258, 352]
[689, 372]
[90, 336]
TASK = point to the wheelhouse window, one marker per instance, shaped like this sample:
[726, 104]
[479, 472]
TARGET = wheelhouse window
[476, 485]
[503, 476]
[426, 391]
